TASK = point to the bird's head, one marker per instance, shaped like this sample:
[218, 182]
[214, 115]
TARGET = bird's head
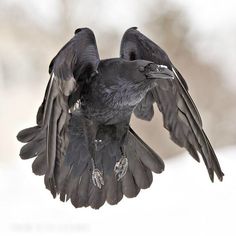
[130, 80]
[152, 71]
[142, 75]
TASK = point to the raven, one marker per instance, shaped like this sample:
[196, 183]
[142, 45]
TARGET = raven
[83, 143]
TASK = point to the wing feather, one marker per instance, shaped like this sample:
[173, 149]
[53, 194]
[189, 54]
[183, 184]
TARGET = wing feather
[70, 68]
[180, 115]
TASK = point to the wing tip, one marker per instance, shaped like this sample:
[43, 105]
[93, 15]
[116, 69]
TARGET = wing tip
[219, 174]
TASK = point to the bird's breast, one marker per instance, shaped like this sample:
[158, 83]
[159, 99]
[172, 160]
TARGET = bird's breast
[111, 104]
[106, 114]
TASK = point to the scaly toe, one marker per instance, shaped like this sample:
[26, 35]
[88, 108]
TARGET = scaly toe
[97, 178]
[121, 168]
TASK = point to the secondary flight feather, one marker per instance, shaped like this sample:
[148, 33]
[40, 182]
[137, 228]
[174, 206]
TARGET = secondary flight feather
[83, 143]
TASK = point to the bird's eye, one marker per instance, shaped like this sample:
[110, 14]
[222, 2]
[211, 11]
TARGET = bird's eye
[141, 69]
[78, 30]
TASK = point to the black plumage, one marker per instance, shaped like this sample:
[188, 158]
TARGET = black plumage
[83, 143]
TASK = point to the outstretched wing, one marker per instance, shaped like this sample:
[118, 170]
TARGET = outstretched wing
[180, 115]
[75, 63]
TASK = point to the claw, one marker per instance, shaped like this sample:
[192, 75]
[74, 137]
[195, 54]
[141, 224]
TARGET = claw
[97, 178]
[121, 168]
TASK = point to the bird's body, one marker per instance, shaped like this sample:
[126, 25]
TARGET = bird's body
[111, 96]
[83, 141]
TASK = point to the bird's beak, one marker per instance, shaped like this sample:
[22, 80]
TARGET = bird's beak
[160, 72]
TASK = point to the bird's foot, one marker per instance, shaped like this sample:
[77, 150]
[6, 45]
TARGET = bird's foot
[121, 167]
[97, 178]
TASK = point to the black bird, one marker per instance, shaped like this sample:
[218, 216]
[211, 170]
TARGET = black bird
[83, 143]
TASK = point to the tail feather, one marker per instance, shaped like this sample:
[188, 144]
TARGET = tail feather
[39, 165]
[113, 189]
[72, 188]
[35, 137]
[29, 134]
[129, 187]
[139, 171]
[145, 154]
[74, 196]
[32, 149]
[67, 185]
[97, 196]
[80, 195]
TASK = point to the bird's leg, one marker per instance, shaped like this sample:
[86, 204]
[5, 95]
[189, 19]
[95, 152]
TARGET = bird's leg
[121, 166]
[97, 175]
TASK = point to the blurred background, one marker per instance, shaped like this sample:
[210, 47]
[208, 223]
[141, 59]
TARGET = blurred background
[199, 37]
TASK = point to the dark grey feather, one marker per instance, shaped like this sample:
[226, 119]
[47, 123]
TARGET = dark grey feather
[180, 115]
[39, 165]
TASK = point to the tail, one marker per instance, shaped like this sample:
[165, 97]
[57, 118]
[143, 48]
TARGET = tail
[142, 162]
[74, 175]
